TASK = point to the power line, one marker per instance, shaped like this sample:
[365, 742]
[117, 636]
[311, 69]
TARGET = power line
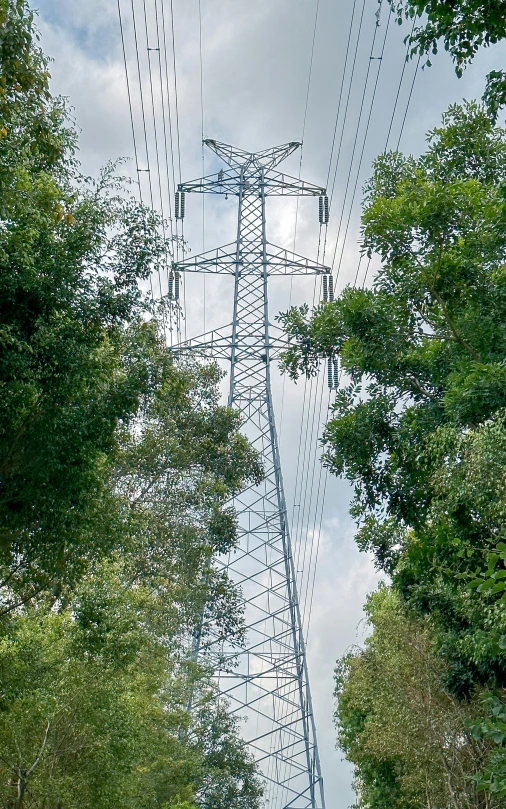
[399, 86]
[397, 149]
[202, 147]
[169, 114]
[173, 160]
[164, 121]
[306, 506]
[134, 140]
[409, 102]
[148, 168]
[398, 89]
[320, 506]
[363, 147]
[355, 141]
[178, 229]
[175, 86]
[170, 168]
[303, 132]
[342, 83]
[308, 601]
[284, 708]
[155, 134]
[331, 195]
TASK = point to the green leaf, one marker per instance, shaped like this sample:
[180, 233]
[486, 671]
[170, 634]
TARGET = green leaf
[475, 583]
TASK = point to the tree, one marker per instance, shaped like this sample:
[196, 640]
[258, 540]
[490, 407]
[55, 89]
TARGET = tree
[410, 740]
[427, 342]
[72, 256]
[97, 418]
[419, 423]
[117, 467]
[94, 710]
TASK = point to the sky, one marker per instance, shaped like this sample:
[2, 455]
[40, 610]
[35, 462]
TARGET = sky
[271, 71]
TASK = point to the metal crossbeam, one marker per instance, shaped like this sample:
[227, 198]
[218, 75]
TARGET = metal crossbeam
[266, 678]
[275, 184]
[280, 261]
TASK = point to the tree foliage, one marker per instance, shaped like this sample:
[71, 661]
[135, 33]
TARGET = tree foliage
[410, 740]
[94, 710]
[97, 422]
[464, 27]
[117, 467]
[419, 424]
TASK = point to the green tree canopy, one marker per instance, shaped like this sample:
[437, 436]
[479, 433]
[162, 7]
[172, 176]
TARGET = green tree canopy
[411, 741]
[94, 710]
[117, 467]
[464, 26]
[418, 425]
[103, 437]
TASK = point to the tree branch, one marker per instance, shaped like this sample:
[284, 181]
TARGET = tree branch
[420, 388]
[6, 610]
[41, 751]
[453, 330]
[443, 306]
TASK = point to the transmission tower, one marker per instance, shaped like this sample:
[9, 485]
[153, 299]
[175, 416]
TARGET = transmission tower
[266, 679]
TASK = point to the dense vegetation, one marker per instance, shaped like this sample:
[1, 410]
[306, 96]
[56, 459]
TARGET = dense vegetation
[116, 466]
[419, 427]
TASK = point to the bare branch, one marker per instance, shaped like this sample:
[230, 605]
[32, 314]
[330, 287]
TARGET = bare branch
[41, 751]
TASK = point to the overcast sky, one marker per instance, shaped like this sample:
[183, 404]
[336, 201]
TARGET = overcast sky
[256, 59]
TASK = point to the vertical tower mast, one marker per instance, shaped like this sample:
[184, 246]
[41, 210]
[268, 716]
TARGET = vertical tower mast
[266, 679]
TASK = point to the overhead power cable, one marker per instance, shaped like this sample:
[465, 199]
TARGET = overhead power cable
[303, 132]
[168, 106]
[129, 94]
[307, 499]
[409, 102]
[178, 148]
[305, 492]
[350, 85]
[143, 113]
[202, 148]
[308, 594]
[355, 140]
[341, 89]
[397, 149]
[310, 485]
[399, 89]
[176, 101]
[155, 135]
[362, 151]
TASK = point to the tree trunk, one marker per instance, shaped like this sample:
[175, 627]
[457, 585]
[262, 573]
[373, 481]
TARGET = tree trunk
[18, 803]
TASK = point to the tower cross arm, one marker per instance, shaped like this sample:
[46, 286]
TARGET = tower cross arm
[231, 181]
[274, 261]
[277, 184]
[226, 181]
[266, 159]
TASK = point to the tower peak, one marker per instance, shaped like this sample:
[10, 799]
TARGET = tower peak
[239, 158]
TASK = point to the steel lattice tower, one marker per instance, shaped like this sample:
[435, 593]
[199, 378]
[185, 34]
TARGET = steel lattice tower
[266, 680]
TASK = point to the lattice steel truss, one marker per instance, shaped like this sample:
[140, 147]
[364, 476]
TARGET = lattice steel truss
[266, 680]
